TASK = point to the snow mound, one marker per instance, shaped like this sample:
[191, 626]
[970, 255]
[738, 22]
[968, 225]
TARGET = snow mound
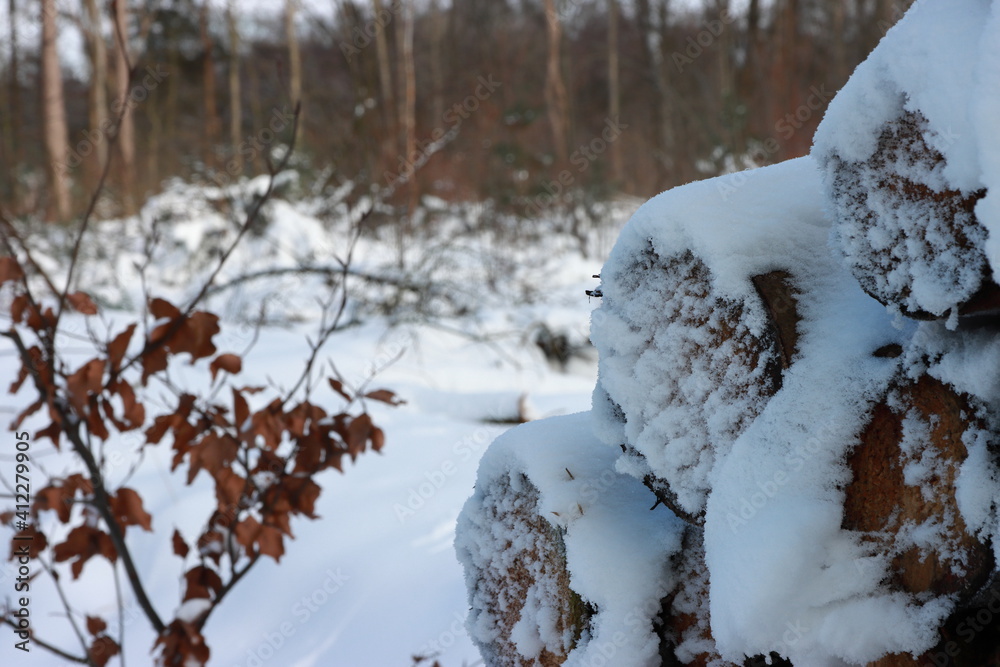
[908, 185]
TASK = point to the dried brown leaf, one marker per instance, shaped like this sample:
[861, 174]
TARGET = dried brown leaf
[228, 362]
[338, 387]
[385, 396]
[202, 582]
[96, 625]
[126, 505]
[119, 346]
[82, 303]
[103, 649]
[10, 269]
[181, 547]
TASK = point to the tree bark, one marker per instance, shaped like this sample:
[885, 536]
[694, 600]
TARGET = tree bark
[235, 96]
[555, 89]
[126, 127]
[437, 19]
[409, 110]
[390, 138]
[211, 124]
[97, 97]
[294, 62]
[55, 132]
[13, 152]
[614, 94]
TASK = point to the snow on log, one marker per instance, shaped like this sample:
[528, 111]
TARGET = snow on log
[565, 563]
[529, 614]
[910, 152]
[903, 493]
[706, 364]
[910, 239]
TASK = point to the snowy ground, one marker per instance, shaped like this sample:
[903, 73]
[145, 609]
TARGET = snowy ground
[375, 580]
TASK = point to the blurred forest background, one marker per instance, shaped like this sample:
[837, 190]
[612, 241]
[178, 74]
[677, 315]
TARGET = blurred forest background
[491, 99]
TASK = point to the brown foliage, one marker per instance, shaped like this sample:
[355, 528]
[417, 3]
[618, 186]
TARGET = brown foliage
[262, 451]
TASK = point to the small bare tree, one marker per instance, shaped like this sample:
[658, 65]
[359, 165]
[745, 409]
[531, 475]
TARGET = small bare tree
[262, 461]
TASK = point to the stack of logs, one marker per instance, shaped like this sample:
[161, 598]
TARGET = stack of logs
[878, 501]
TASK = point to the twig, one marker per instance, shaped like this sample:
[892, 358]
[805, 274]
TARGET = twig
[53, 649]
[69, 610]
[178, 322]
[101, 500]
[99, 189]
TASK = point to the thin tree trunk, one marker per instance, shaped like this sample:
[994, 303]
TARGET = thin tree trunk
[55, 130]
[14, 115]
[385, 82]
[97, 97]
[839, 45]
[211, 124]
[126, 129]
[294, 61]
[256, 106]
[555, 89]
[652, 65]
[614, 94]
[235, 97]
[732, 129]
[437, 69]
[409, 110]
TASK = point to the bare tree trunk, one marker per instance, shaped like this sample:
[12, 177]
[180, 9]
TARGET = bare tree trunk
[409, 110]
[390, 139]
[155, 115]
[211, 125]
[437, 71]
[13, 145]
[840, 65]
[235, 98]
[614, 94]
[653, 73]
[97, 96]
[294, 60]
[256, 105]
[555, 89]
[55, 130]
[733, 125]
[126, 128]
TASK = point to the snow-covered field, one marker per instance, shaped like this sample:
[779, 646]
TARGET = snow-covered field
[375, 580]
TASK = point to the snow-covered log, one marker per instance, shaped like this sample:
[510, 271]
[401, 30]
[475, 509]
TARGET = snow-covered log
[911, 161]
[565, 562]
[903, 493]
